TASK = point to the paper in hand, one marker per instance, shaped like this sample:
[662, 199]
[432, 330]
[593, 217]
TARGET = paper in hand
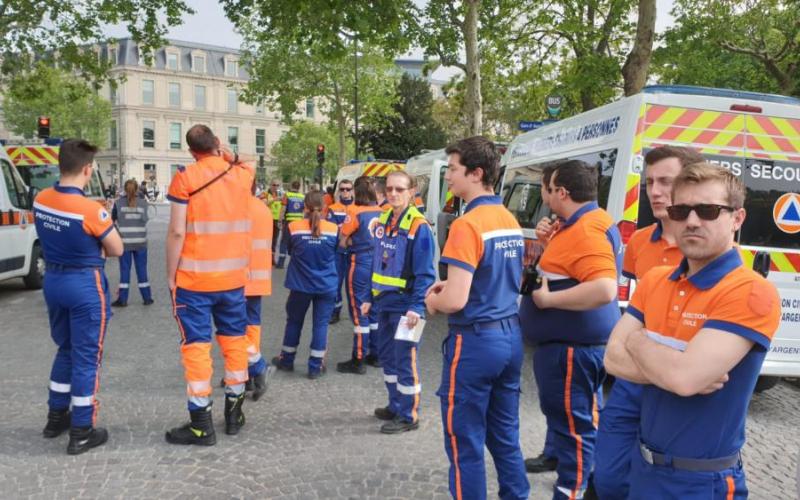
[410, 335]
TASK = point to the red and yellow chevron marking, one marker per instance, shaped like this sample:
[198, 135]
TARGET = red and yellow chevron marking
[381, 169]
[631, 207]
[694, 126]
[33, 155]
[784, 262]
[775, 138]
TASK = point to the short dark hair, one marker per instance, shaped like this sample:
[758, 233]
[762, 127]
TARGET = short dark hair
[475, 152]
[73, 155]
[295, 185]
[547, 174]
[686, 156]
[578, 178]
[363, 192]
[201, 139]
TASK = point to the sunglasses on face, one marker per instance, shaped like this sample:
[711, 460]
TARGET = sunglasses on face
[345, 190]
[705, 211]
[390, 189]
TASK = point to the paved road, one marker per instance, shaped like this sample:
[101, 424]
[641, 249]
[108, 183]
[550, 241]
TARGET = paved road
[304, 440]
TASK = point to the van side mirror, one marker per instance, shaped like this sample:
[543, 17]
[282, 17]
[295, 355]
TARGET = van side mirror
[761, 263]
[32, 192]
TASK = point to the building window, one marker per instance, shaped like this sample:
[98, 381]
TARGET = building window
[261, 141]
[150, 172]
[148, 134]
[259, 109]
[112, 94]
[233, 101]
[175, 136]
[309, 108]
[112, 56]
[175, 94]
[148, 91]
[199, 97]
[172, 61]
[198, 64]
[231, 68]
[233, 138]
[112, 139]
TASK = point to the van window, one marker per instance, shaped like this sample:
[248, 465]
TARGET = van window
[423, 185]
[16, 189]
[524, 200]
[40, 177]
[95, 188]
[766, 181]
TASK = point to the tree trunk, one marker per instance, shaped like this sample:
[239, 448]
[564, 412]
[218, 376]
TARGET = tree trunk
[637, 64]
[341, 124]
[473, 91]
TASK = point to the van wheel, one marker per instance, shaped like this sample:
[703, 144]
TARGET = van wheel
[765, 383]
[35, 276]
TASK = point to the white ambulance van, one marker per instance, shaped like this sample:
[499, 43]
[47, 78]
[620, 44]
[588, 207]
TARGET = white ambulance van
[376, 168]
[20, 254]
[756, 136]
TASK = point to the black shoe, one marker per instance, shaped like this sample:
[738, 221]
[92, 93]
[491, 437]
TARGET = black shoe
[149, 302]
[352, 366]
[541, 463]
[83, 439]
[57, 423]
[199, 431]
[234, 417]
[119, 303]
[313, 375]
[248, 386]
[277, 363]
[398, 425]
[384, 413]
[260, 382]
[334, 319]
[372, 360]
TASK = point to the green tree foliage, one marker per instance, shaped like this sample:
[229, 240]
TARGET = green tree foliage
[67, 30]
[75, 110]
[411, 129]
[747, 45]
[295, 153]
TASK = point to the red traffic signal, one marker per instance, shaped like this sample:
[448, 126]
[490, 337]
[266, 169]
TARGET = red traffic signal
[44, 127]
[320, 153]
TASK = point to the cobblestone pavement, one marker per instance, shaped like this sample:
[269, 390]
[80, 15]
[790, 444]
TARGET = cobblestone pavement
[305, 439]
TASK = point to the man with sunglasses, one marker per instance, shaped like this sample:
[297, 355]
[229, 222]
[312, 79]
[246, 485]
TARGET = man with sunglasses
[337, 213]
[570, 318]
[696, 336]
[647, 248]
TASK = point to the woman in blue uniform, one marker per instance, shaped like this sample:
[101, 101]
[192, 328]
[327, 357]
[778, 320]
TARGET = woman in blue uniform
[402, 271]
[130, 215]
[311, 277]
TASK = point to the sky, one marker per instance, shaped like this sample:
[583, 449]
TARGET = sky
[210, 26]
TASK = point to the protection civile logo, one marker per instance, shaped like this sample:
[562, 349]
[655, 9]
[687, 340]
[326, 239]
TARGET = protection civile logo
[786, 213]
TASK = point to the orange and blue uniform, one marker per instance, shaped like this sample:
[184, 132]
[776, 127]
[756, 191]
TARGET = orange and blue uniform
[71, 228]
[402, 272]
[419, 204]
[337, 212]
[690, 446]
[483, 353]
[618, 434]
[311, 278]
[259, 282]
[359, 225]
[212, 273]
[568, 360]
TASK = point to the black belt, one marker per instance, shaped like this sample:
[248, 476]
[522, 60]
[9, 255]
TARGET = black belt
[689, 464]
[511, 322]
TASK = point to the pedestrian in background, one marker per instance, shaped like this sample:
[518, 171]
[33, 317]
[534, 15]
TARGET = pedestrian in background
[76, 235]
[273, 200]
[310, 278]
[357, 234]
[208, 250]
[292, 210]
[483, 350]
[130, 215]
[696, 336]
[402, 272]
[336, 214]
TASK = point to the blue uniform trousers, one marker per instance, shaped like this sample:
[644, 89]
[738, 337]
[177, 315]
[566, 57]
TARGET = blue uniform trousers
[139, 259]
[480, 407]
[359, 291]
[194, 312]
[664, 482]
[296, 308]
[570, 380]
[342, 267]
[78, 307]
[255, 361]
[617, 440]
[399, 362]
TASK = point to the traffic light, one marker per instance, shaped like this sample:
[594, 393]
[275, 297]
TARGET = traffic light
[320, 153]
[44, 127]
